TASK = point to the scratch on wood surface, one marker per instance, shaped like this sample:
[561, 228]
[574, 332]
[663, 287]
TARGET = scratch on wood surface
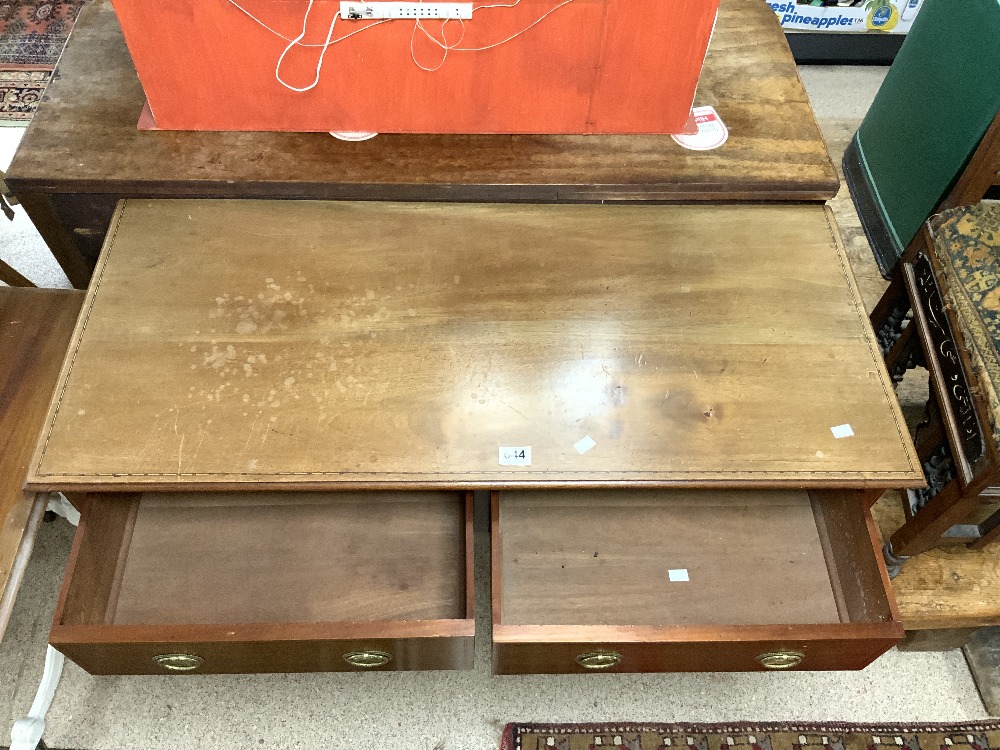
[512, 408]
[200, 441]
[250, 436]
[180, 455]
[152, 433]
[180, 449]
[267, 431]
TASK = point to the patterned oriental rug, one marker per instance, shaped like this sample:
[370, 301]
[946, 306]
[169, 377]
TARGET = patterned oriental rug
[32, 36]
[746, 736]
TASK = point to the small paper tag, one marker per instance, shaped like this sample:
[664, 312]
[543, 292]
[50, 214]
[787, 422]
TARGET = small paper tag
[678, 575]
[842, 431]
[520, 456]
[712, 131]
[584, 444]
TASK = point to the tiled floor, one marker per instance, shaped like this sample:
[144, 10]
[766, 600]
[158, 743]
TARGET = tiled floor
[421, 711]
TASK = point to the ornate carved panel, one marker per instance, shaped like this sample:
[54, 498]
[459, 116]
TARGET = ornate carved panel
[892, 327]
[943, 342]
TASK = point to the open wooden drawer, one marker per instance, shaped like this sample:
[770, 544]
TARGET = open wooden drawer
[687, 580]
[270, 582]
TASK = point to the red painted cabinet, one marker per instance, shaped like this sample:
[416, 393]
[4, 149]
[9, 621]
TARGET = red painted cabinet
[534, 66]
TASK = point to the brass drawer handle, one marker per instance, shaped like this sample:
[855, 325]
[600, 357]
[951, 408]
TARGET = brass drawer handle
[599, 659]
[179, 662]
[367, 659]
[781, 659]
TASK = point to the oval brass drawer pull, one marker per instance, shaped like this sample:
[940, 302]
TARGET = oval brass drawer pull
[598, 660]
[179, 662]
[367, 659]
[781, 659]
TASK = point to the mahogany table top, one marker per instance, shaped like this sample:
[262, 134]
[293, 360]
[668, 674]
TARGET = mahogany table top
[272, 344]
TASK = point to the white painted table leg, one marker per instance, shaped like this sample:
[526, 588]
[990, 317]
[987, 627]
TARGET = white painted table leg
[27, 732]
[59, 505]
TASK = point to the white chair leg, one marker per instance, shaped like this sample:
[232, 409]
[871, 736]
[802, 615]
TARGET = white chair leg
[59, 505]
[27, 732]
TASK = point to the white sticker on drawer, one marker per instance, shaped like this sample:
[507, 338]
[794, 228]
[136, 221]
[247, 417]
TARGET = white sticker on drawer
[678, 575]
[520, 456]
[584, 444]
[842, 431]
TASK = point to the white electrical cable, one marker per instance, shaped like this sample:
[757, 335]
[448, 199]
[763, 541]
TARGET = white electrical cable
[456, 48]
[295, 42]
[278, 34]
[497, 5]
[515, 36]
[330, 41]
[444, 36]
[445, 46]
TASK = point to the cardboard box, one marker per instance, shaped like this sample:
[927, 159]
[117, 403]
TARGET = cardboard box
[881, 16]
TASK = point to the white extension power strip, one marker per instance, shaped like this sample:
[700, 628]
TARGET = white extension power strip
[351, 10]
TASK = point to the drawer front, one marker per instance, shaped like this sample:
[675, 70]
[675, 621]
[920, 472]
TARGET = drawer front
[827, 652]
[687, 580]
[188, 583]
[249, 653]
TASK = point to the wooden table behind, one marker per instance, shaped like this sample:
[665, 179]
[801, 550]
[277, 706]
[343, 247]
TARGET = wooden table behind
[83, 151]
[35, 328]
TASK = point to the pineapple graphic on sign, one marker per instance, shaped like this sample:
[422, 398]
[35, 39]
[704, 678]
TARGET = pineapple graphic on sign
[882, 15]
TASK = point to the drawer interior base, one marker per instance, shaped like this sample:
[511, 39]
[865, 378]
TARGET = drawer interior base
[309, 557]
[665, 558]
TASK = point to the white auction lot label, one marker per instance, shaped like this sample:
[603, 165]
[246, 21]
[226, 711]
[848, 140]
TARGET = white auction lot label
[712, 131]
[515, 456]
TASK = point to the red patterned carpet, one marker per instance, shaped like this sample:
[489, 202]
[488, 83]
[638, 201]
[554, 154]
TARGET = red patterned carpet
[757, 736]
[32, 36]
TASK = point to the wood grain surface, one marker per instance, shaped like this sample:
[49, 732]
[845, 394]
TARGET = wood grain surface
[864, 623]
[943, 588]
[84, 140]
[604, 557]
[617, 609]
[248, 344]
[269, 583]
[299, 557]
[35, 328]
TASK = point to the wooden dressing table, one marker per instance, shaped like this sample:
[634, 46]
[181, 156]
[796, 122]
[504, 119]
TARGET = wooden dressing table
[279, 412]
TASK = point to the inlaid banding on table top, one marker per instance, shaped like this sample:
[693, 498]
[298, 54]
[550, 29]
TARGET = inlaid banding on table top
[247, 342]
